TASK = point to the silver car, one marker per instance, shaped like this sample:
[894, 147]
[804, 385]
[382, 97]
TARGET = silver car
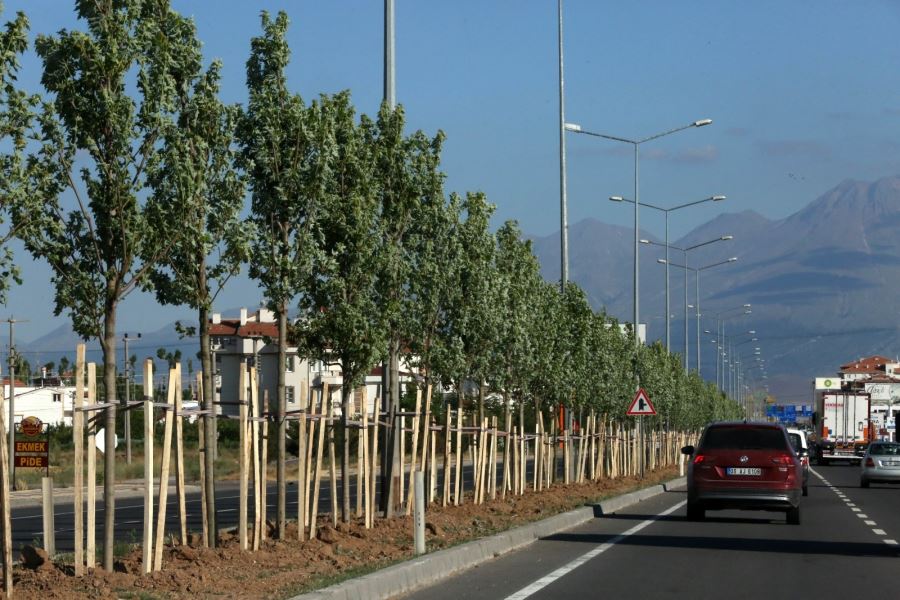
[801, 448]
[880, 464]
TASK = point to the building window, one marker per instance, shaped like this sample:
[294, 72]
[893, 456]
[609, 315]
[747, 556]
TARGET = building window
[289, 363]
[289, 393]
[57, 397]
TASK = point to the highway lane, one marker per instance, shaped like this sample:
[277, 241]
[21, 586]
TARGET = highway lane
[650, 551]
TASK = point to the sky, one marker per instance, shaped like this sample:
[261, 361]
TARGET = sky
[802, 94]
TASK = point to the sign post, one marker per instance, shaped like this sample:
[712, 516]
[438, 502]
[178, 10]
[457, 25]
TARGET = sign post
[641, 406]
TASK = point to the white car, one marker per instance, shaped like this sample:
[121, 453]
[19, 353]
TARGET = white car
[801, 448]
[880, 464]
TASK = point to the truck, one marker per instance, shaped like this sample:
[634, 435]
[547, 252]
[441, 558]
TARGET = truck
[843, 426]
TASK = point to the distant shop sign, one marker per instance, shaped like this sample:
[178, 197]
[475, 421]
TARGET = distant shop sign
[32, 447]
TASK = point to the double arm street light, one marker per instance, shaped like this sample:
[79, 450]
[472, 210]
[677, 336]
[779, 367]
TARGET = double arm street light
[637, 197]
[666, 211]
[720, 332]
[684, 251]
[697, 271]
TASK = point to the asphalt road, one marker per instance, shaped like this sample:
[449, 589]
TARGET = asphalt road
[845, 546]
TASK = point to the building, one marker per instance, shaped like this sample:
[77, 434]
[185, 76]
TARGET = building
[253, 339]
[52, 404]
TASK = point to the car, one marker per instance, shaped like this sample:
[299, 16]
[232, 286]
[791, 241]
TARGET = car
[801, 447]
[744, 465]
[880, 464]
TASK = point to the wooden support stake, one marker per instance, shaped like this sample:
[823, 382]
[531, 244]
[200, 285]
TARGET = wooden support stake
[402, 461]
[90, 555]
[5, 520]
[310, 446]
[373, 467]
[164, 474]
[415, 449]
[314, 510]
[445, 496]
[302, 466]
[427, 447]
[243, 456]
[78, 439]
[179, 457]
[332, 467]
[364, 490]
[432, 472]
[515, 465]
[457, 481]
[264, 464]
[360, 458]
[493, 465]
[254, 456]
[203, 450]
[148, 467]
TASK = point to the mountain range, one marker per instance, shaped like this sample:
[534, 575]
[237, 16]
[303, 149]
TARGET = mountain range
[824, 285]
[824, 282]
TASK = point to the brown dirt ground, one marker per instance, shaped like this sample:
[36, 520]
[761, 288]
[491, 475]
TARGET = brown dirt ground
[281, 569]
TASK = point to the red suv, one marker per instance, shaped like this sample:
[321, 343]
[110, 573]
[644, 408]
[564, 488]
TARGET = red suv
[744, 465]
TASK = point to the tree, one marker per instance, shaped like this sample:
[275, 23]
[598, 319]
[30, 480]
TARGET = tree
[16, 120]
[344, 320]
[404, 169]
[197, 200]
[287, 178]
[92, 232]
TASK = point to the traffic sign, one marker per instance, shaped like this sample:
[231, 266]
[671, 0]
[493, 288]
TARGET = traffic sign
[641, 404]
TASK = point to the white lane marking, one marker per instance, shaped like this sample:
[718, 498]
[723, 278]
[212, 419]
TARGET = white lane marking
[862, 515]
[565, 569]
[871, 523]
[856, 510]
[891, 542]
[879, 531]
[851, 504]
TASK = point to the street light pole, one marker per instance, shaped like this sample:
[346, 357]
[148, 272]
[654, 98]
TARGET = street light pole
[697, 271]
[666, 212]
[637, 197]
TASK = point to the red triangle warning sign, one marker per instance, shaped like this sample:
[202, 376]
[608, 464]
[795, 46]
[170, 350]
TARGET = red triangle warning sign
[641, 404]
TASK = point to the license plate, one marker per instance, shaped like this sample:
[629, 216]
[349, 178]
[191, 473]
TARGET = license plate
[744, 471]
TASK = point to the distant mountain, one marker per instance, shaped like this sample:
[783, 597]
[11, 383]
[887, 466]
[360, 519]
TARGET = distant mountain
[824, 282]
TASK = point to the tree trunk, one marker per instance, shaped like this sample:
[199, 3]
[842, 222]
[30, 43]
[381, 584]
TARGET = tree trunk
[109, 465]
[209, 427]
[282, 423]
[346, 394]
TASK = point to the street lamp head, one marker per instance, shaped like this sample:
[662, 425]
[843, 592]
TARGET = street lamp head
[662, 261]
[645, 241]
[617, 199]
[747, 305]
[725, 238]
[732, 259]
[718, 198]
[573, 127]
[702, 122]
[752, 332]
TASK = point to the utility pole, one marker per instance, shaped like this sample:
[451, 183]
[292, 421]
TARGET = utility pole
[125, 340]
[12, 402]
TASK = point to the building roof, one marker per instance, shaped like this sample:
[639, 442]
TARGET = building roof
[871, 364]
[250, 329]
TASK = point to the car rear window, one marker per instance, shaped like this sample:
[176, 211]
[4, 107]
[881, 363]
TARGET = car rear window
[885, 449]
[795, 441]
[744, 438]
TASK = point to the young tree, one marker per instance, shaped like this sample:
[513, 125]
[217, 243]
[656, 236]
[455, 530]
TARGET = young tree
[197, 200]
[91, 232]
[345, 325]
[404, 169]
[287, 176]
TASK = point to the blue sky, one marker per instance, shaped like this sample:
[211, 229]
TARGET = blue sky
[803, 95]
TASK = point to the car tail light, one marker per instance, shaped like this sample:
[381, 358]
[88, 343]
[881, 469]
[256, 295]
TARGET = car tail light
[783, 459]
[870, 462]
[699, 459]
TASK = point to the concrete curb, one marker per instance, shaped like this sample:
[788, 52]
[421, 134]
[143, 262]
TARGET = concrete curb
[425, 570]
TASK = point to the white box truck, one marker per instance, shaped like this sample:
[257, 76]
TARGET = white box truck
[843, 425]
